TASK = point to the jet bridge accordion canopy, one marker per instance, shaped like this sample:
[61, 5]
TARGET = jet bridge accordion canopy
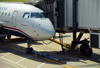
[52, 8]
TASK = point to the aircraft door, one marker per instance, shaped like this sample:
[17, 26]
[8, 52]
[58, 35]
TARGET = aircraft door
[14, 18]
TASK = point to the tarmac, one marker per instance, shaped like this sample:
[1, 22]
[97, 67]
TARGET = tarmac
[12, 55]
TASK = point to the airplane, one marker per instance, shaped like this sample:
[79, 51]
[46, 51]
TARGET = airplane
[26, 21]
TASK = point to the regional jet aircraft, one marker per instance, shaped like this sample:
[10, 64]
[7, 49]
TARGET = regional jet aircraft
[25, 21]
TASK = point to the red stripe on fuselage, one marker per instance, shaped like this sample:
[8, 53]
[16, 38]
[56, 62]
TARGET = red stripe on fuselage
[18, 31]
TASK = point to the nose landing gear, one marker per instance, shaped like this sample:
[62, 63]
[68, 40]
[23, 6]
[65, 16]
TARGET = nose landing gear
[29, 49]
[2, 34]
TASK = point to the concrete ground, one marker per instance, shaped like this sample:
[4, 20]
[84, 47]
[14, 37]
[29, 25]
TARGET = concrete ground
[12, 55]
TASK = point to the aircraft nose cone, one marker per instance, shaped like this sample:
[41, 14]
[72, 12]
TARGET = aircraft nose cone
[48, 32]
[47, 29]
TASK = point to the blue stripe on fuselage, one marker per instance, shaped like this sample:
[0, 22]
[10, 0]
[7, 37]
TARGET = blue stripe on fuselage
[16, 33]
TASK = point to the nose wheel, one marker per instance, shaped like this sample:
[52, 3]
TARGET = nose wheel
[29, 49]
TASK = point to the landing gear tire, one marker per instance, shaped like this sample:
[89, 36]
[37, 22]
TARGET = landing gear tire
[8, 36]
[82, 49]
[28, 50]
[85, 50]
[0, 26]
[88, 52]
[2, 38]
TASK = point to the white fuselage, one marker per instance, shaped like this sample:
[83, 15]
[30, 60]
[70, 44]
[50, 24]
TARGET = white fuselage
[25, 21]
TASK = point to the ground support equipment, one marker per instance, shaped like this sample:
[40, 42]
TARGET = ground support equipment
[30, 50]
[84, 48]
[43, 55]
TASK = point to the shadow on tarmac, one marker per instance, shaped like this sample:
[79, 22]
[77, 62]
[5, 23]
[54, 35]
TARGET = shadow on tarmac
[67, 57]
[62, 36]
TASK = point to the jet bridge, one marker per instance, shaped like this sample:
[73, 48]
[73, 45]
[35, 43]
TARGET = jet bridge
[60, 12]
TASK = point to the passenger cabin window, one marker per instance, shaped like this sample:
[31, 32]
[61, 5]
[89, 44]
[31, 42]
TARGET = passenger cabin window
[2, 13]
[26, 15]
[9, 14]
[37, 15]
[5, 14]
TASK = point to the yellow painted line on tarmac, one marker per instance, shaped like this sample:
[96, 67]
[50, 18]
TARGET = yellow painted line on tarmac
[72, 67]
[66, 66]
[13, 48]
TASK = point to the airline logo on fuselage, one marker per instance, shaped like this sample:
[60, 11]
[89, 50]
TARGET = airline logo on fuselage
[3, 8]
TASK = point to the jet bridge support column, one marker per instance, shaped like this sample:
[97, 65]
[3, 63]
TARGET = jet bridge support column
[74, 20]
[60, 10]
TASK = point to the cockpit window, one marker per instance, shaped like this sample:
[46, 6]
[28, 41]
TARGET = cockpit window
[26, 15]
[33, 15]
[37, 15]
[42, 14]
